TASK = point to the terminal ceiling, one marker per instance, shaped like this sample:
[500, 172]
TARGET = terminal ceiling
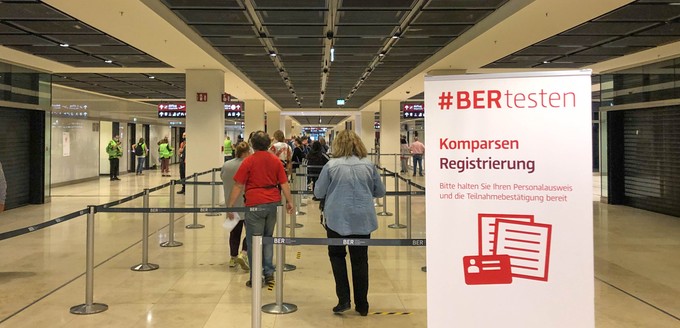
[280, 51]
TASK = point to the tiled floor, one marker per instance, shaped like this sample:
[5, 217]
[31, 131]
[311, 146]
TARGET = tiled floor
[637, 269]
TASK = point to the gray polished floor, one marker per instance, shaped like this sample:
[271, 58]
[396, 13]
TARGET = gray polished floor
[637, 268]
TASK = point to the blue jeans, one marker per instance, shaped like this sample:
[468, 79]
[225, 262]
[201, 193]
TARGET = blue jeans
[262, 222]
[418, 162]
[140, 164]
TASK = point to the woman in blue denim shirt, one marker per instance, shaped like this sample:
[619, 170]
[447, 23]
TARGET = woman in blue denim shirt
[348, 183]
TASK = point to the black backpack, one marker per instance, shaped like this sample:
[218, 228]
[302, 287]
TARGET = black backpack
[139, 150]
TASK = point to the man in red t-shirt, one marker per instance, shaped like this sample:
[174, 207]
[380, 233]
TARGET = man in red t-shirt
[261, 174]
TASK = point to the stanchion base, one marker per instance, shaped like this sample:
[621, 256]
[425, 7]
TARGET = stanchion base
[424, 269]
[171, 244]
[303, 204]
[274, 308]
[213, 214]
[297, 225]
[144, 267]
[376, 204]
[195, 226]
[289, 267]
[384, 214]
[396, 226]
[89, 309]
[300, 213]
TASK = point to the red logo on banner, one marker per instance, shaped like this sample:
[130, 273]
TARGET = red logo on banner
[201, 97]
[226, 97]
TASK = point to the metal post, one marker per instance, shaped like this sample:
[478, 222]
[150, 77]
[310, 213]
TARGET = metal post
[279, 307]
[195, 225]
[256, 281]
[384, 199]
[395, 167]
[89, 307]
[212, 195]
[282, 233]
[408, 209]
[171, 220]
[396, 224]
[298, 197]
[145, 265]
[305, 183]
[293, 217]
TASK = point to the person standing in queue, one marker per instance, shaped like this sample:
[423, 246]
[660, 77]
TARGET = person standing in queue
[263, 177]
[315, 159]
[183, 161]
[349, 182]
[228, 149]
[418, 150]
[115, 151]
[3, 189]
[165, 153]
[229, 168]
[140, 151]
[404, 154]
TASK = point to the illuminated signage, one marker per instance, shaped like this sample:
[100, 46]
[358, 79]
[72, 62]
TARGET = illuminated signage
[172, 110]
[234, 109]
[413, 109]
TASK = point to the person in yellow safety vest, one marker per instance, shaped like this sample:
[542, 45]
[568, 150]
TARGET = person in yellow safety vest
[165, 152]
[228, 150]
[115, 151]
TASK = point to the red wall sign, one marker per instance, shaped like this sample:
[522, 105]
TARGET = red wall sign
[201, 97]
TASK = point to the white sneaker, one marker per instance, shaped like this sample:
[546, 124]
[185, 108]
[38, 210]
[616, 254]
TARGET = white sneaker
[242, 260]
[232, 262]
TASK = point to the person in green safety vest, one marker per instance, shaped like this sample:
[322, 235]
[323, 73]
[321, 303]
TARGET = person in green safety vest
[115, 151]
[228, 150]
[165, 152]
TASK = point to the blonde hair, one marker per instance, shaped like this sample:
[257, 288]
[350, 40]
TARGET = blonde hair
[241, 148]
[347, 143]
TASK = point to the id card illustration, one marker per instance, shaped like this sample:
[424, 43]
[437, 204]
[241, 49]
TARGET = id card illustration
[510, 246]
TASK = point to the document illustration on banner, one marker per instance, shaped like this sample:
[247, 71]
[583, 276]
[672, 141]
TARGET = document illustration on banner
[510, 246]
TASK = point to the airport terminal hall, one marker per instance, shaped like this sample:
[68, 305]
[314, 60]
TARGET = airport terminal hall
[340, 163]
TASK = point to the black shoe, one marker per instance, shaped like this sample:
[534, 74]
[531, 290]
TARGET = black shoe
[421, 174]
[342, 307]
[269, 279]
[116, 178]
[414, 174]
[181, 192]
[362, 313]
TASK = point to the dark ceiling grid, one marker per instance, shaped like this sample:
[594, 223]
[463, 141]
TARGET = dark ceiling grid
[38, 29]
[127, 85]
[375, 42]
[635, 27]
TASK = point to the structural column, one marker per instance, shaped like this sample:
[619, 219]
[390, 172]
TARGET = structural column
[205, 126]
[254, 116]
[273, 121]
[366, 129]
[288, 127]
[389, 130]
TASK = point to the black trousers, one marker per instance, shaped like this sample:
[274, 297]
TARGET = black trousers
[235, 238]
[358, 256]
[113, 167]
[182, 172]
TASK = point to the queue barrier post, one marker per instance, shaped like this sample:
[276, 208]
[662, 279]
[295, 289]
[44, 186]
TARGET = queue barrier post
[145, 265]
[195, 224]
[305, 183]
[279, 307]
[298, 197]
[287, 267]
[212, 195]
[171, 221]
[89, 307]
[256, 281]
[408, 209]
[384, 198]
[396, 224]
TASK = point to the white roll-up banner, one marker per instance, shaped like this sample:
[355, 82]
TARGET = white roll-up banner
[509, 200]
